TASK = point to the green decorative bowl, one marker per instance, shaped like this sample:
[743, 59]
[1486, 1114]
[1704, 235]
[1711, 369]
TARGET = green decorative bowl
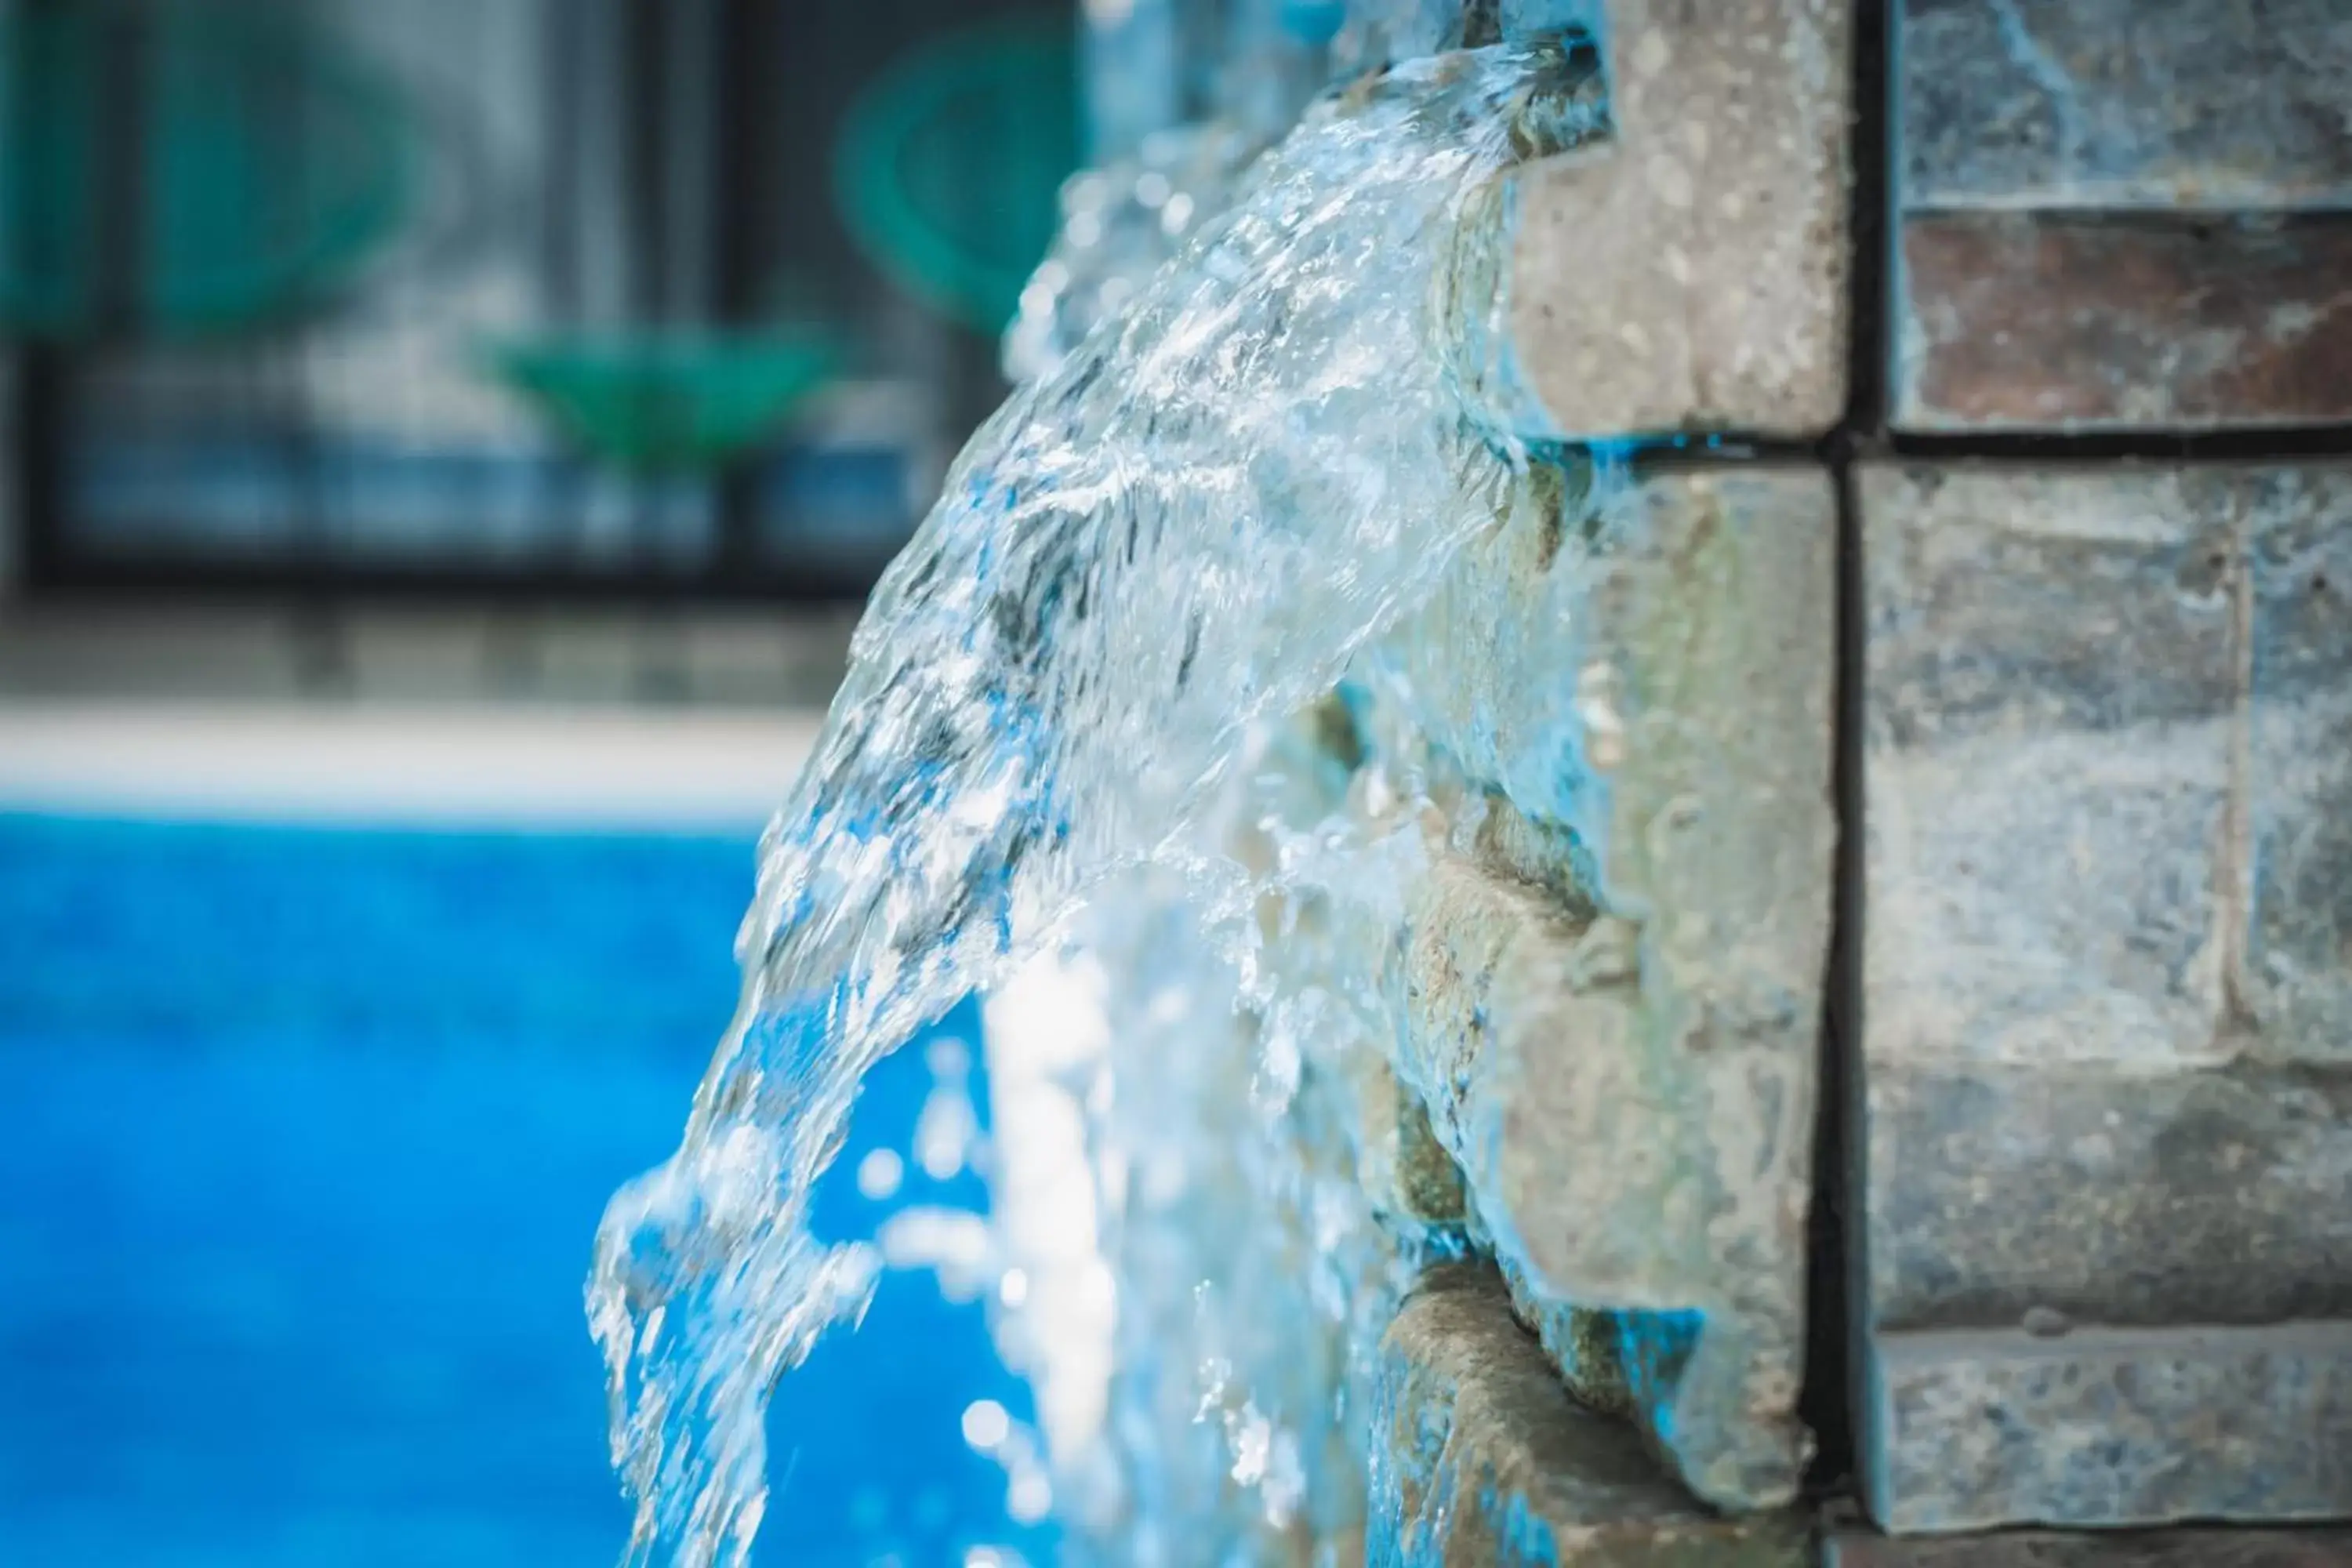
[949, 165]
[669, 402]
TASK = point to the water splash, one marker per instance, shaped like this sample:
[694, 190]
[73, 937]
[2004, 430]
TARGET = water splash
[1187, 531]
[1120, 225]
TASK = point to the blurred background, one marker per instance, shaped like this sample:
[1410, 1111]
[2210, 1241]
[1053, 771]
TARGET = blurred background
[443, 445]
[565, 297]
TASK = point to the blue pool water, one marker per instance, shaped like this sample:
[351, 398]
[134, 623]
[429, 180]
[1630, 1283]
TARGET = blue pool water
[303, 1137]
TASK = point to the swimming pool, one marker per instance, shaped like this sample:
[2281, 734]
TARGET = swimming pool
[305, 1135]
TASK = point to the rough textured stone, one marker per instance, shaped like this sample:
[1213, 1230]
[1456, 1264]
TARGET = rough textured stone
[2050, 685]
[1526, 1036]
[2109, 1427]
[2105, 1043]
[1403, 1169]
[2298, 957]
[1480, 1458]
[2124, 104]
[2138, 1549]
[1613, 1008]
[2001, 1192]
[1689, 272]
[2081, 322]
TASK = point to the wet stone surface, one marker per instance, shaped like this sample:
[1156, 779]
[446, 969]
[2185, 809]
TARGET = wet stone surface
[2121, 215]
[1481, 1459]
[2109, 1427]
[1614, 1005]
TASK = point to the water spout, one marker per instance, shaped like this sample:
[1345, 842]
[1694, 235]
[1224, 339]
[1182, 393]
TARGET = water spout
[1187, 532]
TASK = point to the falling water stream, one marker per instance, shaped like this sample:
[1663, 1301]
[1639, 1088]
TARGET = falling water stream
[1235, 485]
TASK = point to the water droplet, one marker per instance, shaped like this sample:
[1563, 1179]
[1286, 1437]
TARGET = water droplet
[880, 1174]
[985, 1425]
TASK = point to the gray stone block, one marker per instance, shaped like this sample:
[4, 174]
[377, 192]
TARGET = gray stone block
[1614, 1005]
[2106, 766]
[2004, 1192]
[1479, 1457]
[2104, 1050]
[1689, 272]
[2298, 961]
[2124, 103]
[2134, 1549]
[2109, 1427]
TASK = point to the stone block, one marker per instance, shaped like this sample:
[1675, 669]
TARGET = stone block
[2002, 1192]
[1480, 1458]
[2050, 753]
[2121, 215]
[2135, 1549]
[2109, 1427]
[2105, 982]
[2069, 321]
[1614, 999]
[2298, 959]
[1688, 271]
[2104, 104]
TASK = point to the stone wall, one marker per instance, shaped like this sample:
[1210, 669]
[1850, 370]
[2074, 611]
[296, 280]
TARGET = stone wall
[1900, 980]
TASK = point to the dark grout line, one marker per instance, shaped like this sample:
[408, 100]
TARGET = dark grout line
[1857, 439]
[1833, 1251]
[1868, 234]
[1836, 1310]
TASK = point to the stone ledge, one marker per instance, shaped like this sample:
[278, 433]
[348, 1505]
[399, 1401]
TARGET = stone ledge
[1481, 1459]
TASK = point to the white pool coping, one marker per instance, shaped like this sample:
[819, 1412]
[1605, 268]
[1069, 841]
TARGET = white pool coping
[474, 765]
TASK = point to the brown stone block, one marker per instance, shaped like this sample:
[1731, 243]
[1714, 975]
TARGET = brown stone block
[2070, 323]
